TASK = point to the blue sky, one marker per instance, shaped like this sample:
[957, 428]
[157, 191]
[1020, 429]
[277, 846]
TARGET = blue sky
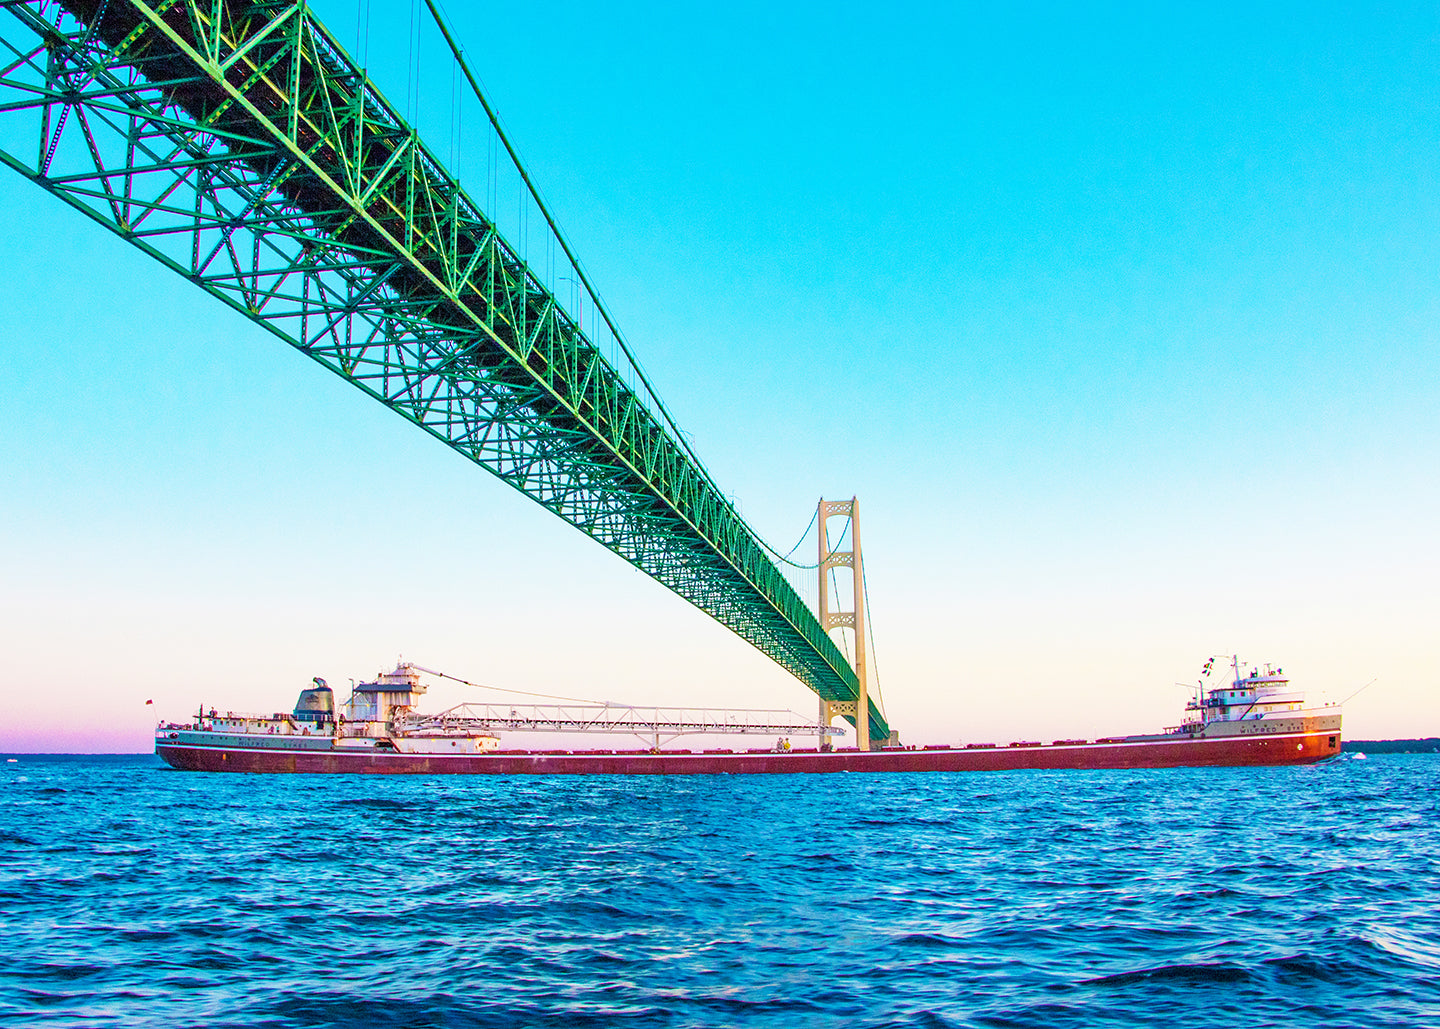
[1120, 321]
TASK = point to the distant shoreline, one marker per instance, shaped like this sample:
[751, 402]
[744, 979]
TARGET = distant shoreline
[1428, 745]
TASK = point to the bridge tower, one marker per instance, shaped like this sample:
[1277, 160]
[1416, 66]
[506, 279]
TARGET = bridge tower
[859, 708]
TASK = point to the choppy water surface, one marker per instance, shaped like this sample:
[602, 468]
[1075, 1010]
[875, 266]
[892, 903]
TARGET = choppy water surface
[135, 895]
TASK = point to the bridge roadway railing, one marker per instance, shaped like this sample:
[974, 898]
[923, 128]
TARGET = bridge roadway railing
[237, 143]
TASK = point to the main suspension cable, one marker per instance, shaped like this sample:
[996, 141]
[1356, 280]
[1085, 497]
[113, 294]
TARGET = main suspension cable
[604, 311]
[803, 537]
[600, 306]
[870, 631]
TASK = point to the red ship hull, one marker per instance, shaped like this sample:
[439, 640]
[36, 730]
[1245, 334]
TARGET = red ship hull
[1286, 749]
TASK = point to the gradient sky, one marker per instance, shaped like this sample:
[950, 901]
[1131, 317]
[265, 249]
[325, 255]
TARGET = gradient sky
[1121, 322]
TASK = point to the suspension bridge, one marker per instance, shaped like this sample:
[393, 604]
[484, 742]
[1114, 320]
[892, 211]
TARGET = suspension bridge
[240, 145]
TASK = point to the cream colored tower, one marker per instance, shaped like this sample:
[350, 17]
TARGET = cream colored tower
[859, 708]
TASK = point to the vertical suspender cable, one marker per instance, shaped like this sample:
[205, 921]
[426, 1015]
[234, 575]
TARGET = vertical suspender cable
[574, 261]
[600, 308]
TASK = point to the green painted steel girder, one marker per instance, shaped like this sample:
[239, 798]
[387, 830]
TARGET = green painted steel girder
[236, 142]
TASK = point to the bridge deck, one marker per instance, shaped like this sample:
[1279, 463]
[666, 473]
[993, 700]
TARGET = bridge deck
[237, 143]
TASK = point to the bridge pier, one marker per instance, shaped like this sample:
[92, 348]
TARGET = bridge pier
[829, 711]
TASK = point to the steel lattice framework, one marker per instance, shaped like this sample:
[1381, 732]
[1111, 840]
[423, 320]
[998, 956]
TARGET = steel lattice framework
[237, 143]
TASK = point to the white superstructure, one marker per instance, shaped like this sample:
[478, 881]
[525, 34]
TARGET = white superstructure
[1256, 696]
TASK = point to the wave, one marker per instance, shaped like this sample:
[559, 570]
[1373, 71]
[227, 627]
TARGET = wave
[1179, 975]
[1053, 901]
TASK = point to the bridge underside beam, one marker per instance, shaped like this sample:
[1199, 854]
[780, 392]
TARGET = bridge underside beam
[235, 142]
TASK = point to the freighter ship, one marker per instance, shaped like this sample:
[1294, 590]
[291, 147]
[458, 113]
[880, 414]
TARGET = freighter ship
[1257, 719]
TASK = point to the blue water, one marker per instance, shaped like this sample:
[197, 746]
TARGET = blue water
[133, 895]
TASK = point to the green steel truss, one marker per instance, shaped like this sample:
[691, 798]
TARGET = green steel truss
[236, 143]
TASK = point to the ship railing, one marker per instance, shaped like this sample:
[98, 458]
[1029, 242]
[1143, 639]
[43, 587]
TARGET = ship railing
[1271, 716]
[1292, 712]
[249, 716]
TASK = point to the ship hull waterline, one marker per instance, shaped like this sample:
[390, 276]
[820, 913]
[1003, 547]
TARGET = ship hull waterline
[1280, 749]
